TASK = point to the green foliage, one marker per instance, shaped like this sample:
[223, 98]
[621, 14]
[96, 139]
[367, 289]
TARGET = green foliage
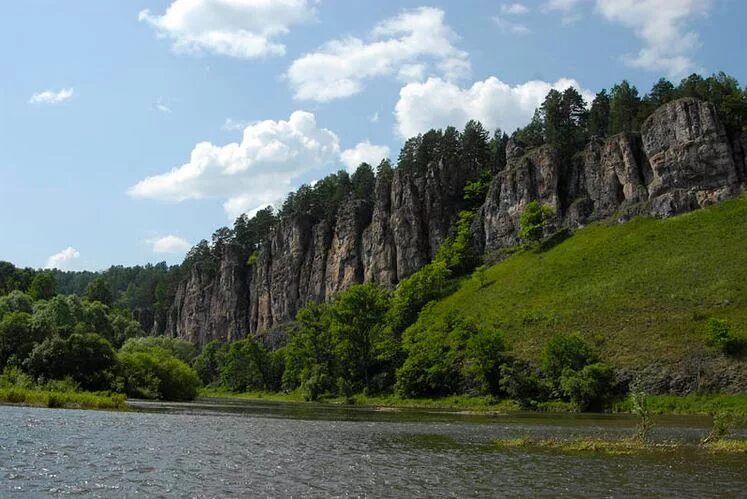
[245, 366]
[17, 337]
[98, 290]
[533, 221]
[414, 292]
[566, 352]
[156, 374]
[87, 358]
[624, 108]
[208, 363]
[363, 181]
[599, 115]
[310, 351]
[181, 349]
[589, 388]
[458, 252]
[450, 356]
[43, 287]
[640, 407]
[532, 135]
[720, 337]
[15, 301]
[521, 383]
[363, 346]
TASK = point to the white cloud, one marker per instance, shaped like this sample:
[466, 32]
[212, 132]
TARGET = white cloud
[364, 152]
[63, 259]
[438, 103]
[169, 244]
[375, 117]
[662, 25]
[162, 106]
[232, 125]
[511, 27]
[257, 171]
[407, 46]
[514, 9]
[52, 97]
[560, 5]
[235, 28]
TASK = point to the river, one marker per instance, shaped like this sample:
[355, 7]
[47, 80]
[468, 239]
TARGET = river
[223, 448]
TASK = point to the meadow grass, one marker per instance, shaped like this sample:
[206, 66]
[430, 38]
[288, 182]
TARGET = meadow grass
[641, 292]
[67, 400]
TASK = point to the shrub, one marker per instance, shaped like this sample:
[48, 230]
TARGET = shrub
[719, 336]
[413, 293]
[533, 221]
[209, 362]
[565, 351]
[87, 358]
[520, 383]
[182, 350]
[156, 374]
[590, 388]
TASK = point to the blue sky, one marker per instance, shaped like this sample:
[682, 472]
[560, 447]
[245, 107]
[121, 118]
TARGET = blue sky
[131, 129]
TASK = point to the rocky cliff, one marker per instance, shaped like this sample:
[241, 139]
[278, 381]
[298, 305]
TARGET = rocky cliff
[681, 160]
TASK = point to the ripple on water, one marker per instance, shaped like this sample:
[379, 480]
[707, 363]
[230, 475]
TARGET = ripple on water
[208, 453]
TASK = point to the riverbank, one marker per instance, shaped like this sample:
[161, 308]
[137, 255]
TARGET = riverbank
[628, 446]
[694, 404]
[63, 400]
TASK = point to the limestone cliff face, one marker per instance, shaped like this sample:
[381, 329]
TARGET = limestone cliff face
[681, 160]
[211, 303]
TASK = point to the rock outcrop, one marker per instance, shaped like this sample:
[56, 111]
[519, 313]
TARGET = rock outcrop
[681, 160]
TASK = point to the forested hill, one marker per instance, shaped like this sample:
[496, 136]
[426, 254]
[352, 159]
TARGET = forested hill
[671, 150]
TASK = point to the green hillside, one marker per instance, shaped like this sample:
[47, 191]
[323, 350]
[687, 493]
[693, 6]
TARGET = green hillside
[641, 291]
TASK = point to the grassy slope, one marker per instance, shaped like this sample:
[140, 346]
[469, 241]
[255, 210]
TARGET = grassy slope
[641, 291]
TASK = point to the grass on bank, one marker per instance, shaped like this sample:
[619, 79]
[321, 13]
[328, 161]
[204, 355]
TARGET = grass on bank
[61, 399]
[642, 291]
[658, 404]
[619, 447]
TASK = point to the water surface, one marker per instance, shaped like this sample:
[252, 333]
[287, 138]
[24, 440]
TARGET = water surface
[219, 448]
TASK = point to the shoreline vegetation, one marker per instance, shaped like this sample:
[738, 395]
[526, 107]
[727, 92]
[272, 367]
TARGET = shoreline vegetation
[621, 446]
[659, 405]
[55, 399]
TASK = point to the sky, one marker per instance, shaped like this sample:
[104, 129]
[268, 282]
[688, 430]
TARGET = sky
[130, 130]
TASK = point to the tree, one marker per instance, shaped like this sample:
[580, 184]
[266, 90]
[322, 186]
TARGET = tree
[209, 362]
[624, 105]
[533, 134]
[599, 115]
[87, 358]
[245, 366]
[363, 181]
[662, 92]
[475, 145]
[43, 287]
[497, 148]
[589, 388]
[533, 221]
[362, 344]
[99, 290]
[17, 337]
[156, 374]
[566, 352]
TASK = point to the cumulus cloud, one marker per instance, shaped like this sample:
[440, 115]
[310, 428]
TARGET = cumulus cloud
[52, 97]
[257, 171]
[514, 9]
[364, 152]
[437, 103]
[235, 28]
[511, 27]
[662, 25]
[171, 244]
[408, 46]
[560, 5]
[64, 259]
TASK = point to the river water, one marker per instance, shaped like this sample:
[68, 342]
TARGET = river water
[218, 448]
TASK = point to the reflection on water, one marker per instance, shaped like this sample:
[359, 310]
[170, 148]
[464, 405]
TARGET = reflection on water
[218, 448]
